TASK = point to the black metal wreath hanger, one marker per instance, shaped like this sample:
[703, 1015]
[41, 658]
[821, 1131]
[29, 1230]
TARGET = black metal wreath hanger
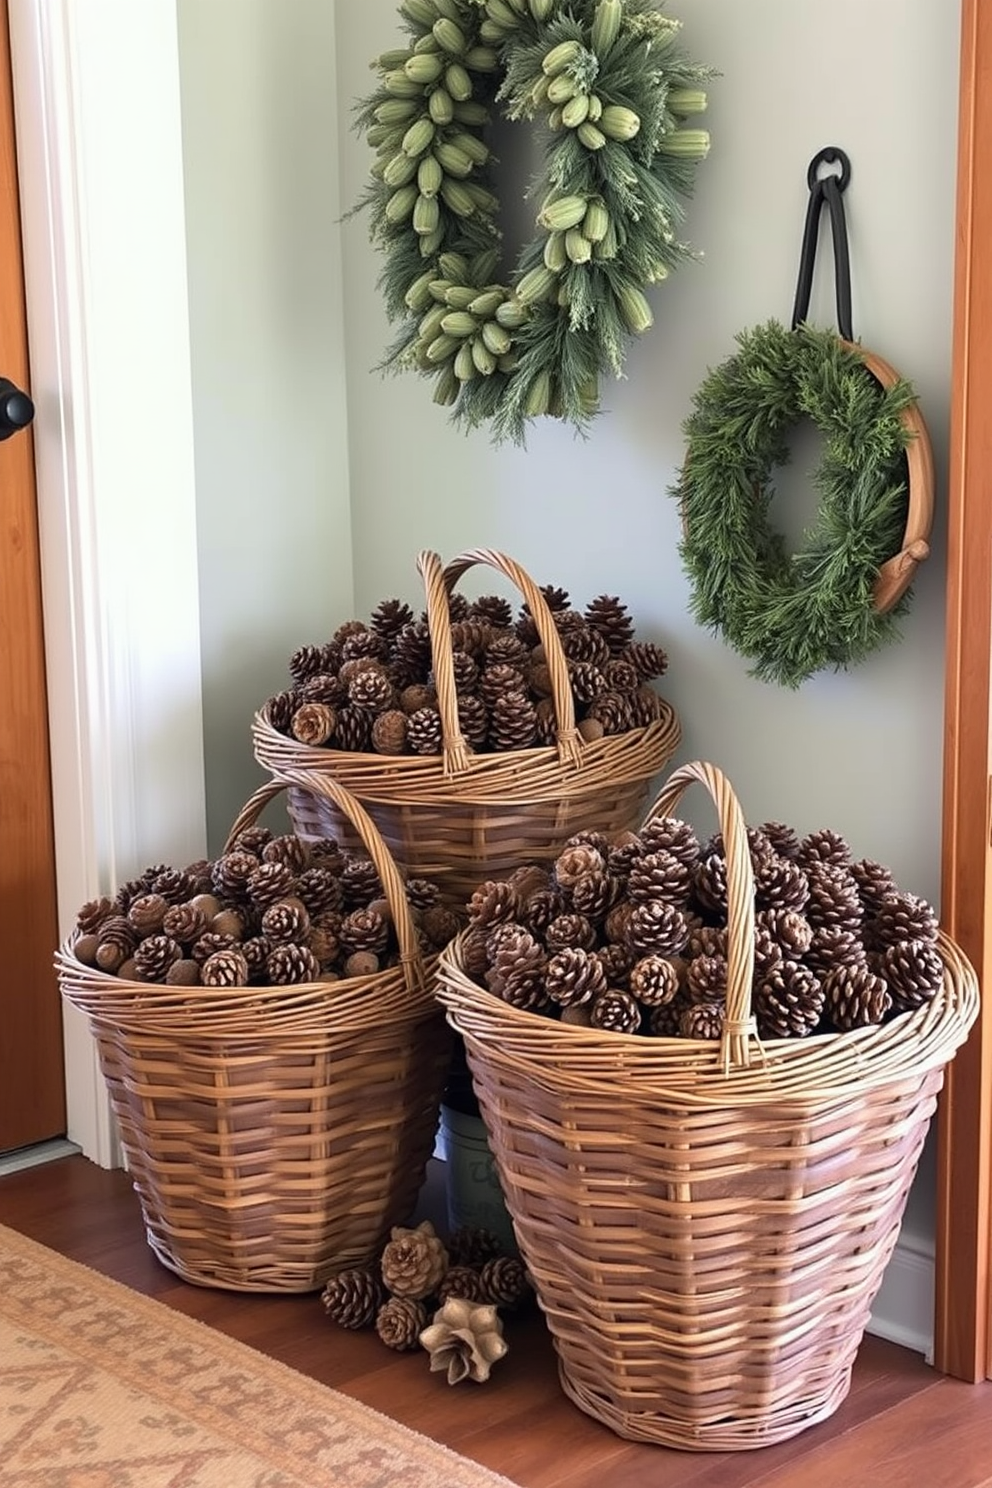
[826, 191]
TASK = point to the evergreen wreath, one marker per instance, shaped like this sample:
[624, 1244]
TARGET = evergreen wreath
[607, 84]
[794, 614]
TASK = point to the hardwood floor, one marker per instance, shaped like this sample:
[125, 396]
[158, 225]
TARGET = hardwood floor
[902, 1424]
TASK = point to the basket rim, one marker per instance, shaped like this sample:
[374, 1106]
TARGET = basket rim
[818, 1070]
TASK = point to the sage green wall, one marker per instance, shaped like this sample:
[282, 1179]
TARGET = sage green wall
[260, 122]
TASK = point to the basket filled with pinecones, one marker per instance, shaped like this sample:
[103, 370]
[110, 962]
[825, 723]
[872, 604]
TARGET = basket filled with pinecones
[475, 733]
[271, 1045]
[707, 1070]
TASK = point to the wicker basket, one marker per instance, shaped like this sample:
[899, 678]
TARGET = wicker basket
[707, 1223]
[274, 1134]
[459, 818]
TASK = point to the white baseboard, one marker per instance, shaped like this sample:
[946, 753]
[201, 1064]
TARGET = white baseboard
[903, 1309]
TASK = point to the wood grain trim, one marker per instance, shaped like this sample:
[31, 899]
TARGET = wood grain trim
[964, 1210]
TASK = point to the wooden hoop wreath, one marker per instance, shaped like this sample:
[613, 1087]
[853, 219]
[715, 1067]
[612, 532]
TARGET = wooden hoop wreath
[838, 597]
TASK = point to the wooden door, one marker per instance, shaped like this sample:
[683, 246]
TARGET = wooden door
[963, 1333]
[32, 1084]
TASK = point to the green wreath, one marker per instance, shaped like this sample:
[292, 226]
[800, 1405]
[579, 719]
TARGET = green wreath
[794, 614]
[608, 83]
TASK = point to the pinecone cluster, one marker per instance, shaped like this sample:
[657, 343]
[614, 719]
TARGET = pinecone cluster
[630, 934]
[273, 910]
[371, 687]
[416, 1273]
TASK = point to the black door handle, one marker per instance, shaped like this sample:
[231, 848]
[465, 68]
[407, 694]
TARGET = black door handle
[16, 409]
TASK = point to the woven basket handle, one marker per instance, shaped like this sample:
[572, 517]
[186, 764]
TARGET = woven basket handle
[739, 1027]
[438, 583]
[392, 883]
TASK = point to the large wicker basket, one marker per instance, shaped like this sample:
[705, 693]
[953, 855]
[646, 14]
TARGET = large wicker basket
[274, 1134]
[459, 818]
[707, 1224]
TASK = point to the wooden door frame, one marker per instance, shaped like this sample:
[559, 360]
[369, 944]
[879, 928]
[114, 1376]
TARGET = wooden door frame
[964, 1176]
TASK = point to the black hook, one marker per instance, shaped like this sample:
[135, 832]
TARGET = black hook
[826, 189]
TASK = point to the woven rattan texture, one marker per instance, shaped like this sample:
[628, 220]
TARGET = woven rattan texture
[707, 1223]
[460, 818]
[274, 1134]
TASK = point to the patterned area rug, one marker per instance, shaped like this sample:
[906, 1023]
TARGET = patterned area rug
[103, 1388]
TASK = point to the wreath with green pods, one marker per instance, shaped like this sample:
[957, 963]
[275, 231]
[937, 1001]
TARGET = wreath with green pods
[794, 614]
[607, 84]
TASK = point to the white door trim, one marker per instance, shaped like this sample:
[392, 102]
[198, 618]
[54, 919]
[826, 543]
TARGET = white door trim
[97, 108]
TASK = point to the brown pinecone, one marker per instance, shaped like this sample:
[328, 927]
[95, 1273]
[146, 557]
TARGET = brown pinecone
[647, 706]
[353, 1297]
[788, 928]
[353, 730]
[288, 848]
[466, 672]
[768, 953]
[504, 1281]
[472, 636]
[360, 883]
[473, 720]
[833, 900]
[153, 957]
[650, 660]
[389, 732]
[306, 661]
[593, 896]
[617, 922]
[575, 861]
[616, 1010]
[323, 687]
[363, 645]
[654, 980]
[541, 908]
[493, 609]
[613, 711]
[657, 929]
[472, 1245]
[345, 629]
[855, 997]
[314, 724]
[461, 1281]
[702, 1020]
[371, 690]
[706, 940]
[400, 1322]
[286, 921]
[570, 931]
[255, 951]
[621, 675]
[709, 884]
[117, 939]
[288, 965]
[389, 617]
[586, 681]
[280, 709]
[93, 913]
[147, 912]
[323, 940]
[507, 932]
[783, 838]
[913, 971]
[225, 969]
[209, 943]
[825, 846]
[903, 917]
[512, 722]
[364, 930]
[659, 875]
[252, 840]
[424, 733]
[617, 963]
[518, 970]
[319, 889]
[834, 946]
[875, 883]
[573, 977]
[706, 978]
[176, 885]
[268, 883]
[412, 653]
[184, 922]
[584, 646]
[789, 1002]
[670, 834]
[611, 618]
[422, 893]
[413, 1261]
[506, 649]
[492, 903]
[496, 681]
[780, 884]
[666, 1021]
[231, 873]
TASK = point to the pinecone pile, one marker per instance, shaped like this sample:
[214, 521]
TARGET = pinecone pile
[631, 935]
[272, 911]
[418, 1272]
[371, 686]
